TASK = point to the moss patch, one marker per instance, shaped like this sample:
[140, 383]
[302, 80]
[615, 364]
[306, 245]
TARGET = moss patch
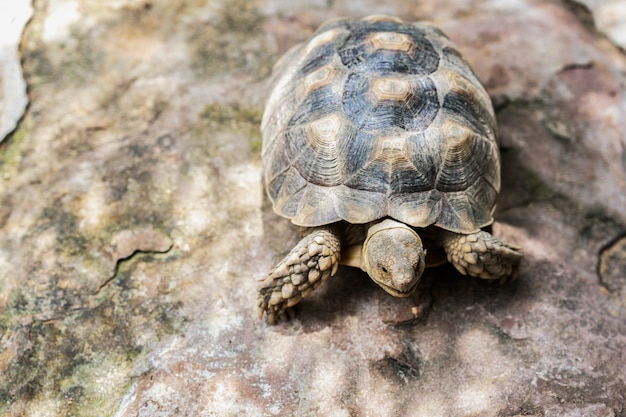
[80, 60]
[231, 42]
[538, 190]
[84, 358]
[11, 149]
[235, 118]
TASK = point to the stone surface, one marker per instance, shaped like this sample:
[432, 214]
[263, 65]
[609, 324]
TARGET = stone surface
[134, 227]
[609, 17]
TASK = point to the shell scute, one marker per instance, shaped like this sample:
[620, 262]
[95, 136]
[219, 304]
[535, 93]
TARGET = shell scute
[364, 52]
[377, 117]
[385, 102]
[313, 150]
[319, 57]
[318, 104]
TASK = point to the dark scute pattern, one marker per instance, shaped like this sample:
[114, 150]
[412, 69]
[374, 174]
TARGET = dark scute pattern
[438, 180]
[455, 210]
[360, 206]
[483, 200]
[466, 110]
[393, 176]
[320, 102]
[286, 190]
[455, 61]
[355, 55]
[275, 185]
[275, 158]
[319, 57]
[316, 207]
[355, 152]
[373, 177]
[406, 179]
[425, 159]
[315, 164]
[289, 205]
[464, 165]
[379, 62]
[416, 114]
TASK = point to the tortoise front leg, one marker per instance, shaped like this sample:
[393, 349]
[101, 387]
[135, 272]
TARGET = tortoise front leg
[481, 255]
[311, 261]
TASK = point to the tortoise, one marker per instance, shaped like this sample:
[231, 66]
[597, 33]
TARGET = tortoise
[379, 143]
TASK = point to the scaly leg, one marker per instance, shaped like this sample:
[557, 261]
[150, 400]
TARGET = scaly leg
[311, 261]
[482, 255]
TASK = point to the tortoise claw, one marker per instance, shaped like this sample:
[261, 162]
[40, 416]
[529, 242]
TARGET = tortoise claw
[311, 262]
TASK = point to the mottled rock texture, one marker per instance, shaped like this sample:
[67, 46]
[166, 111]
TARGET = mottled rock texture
[133, 225]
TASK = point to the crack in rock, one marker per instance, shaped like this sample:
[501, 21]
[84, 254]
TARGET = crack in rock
[127, 243]
[612, 264]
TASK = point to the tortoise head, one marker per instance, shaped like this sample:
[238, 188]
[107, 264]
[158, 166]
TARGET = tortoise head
[393, 256]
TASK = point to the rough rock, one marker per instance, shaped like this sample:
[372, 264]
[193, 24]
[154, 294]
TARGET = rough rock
[608, 16]
[133, 225]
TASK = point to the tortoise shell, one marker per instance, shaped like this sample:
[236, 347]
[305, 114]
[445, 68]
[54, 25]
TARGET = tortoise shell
[376, 118]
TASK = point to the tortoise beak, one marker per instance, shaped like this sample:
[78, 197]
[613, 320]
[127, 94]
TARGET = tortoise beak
[403, 279]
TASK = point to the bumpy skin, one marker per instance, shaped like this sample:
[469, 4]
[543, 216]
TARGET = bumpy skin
[481, 255]
[313, 260]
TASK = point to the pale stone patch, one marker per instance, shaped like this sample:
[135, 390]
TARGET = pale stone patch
[13, 99]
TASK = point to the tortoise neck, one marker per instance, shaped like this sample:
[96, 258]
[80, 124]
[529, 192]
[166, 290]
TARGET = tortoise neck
[386, 224]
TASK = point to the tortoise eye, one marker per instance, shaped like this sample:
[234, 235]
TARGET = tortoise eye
[384, 269]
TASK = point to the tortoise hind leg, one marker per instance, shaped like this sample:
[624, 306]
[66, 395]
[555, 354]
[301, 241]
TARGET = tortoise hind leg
[311, 261]
[482, 255]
